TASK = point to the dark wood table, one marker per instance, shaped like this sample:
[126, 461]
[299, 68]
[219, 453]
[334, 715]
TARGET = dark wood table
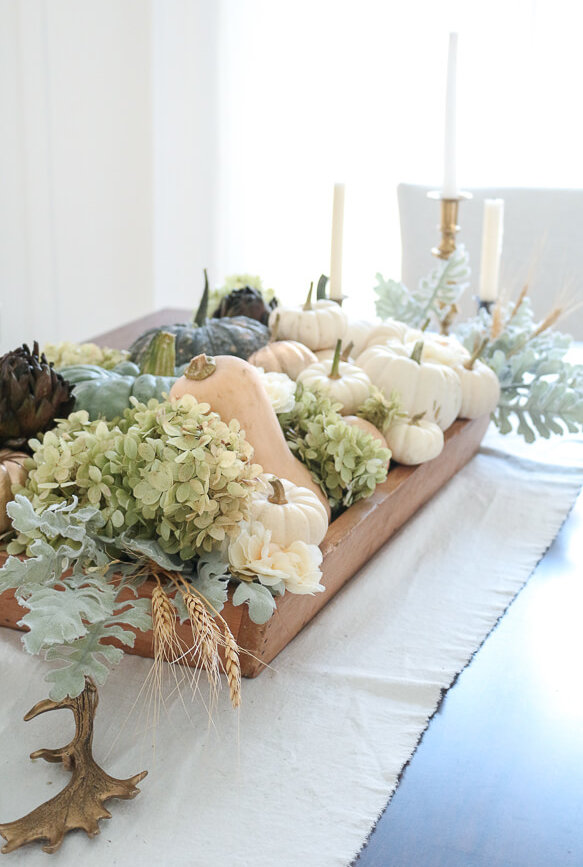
[497, 779]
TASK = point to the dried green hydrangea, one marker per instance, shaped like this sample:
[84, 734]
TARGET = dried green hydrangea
[379, 410]
[188, 472]
[66, 353]
[347, 462]
[169, 471]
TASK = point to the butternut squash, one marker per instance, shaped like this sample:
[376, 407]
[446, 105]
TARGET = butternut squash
[233, 388]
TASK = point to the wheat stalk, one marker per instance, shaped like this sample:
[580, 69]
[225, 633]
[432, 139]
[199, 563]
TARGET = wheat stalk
[232, 666]
[166, 644]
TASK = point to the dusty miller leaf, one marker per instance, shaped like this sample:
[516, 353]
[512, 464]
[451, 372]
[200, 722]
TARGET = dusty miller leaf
[259, 599]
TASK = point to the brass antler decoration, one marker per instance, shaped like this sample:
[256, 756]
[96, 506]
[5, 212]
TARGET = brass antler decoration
[80, 804]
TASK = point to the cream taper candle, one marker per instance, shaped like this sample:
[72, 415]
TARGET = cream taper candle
[336, 251]
[491, 248]
[449, 190]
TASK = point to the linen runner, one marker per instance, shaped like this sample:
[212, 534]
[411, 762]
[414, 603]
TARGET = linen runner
[302, 773]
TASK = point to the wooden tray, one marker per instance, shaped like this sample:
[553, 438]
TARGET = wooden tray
[351, 540]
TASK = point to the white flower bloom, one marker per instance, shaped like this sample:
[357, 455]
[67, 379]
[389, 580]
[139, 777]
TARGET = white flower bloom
[253, 554]
[280, 388]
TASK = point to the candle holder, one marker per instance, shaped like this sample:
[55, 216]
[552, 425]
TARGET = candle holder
[448, 225]
[485, 305]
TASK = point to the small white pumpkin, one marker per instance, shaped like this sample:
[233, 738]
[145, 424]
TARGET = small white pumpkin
[342, 382]
[357, 333]
[414, 442]
[442, 348]
[317, 324]
[291, 512]
[426, 389]
[480, 389]
[327, 354]
[390, 329]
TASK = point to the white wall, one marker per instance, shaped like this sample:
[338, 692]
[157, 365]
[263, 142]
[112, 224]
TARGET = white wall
[76, 203]
[185, 70]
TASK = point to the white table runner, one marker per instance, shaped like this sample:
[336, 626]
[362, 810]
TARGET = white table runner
[304, 771]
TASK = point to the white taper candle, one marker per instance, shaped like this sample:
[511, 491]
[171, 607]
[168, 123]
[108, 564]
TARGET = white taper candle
[492, 231]
[336, 251]
[449, 190]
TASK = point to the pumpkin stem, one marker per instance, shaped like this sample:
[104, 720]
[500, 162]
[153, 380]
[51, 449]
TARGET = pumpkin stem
[278, 497]
[345, 354]
[275, 329]
[321, 288]
[201, 314]
[200, 367]
[417, 352]
[160, 358]
[334, 370]
[415, 419]
[308, 304]
[469, 364]
[425, 325]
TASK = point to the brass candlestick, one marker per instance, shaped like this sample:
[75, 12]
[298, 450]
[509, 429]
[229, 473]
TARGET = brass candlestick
[448, 225]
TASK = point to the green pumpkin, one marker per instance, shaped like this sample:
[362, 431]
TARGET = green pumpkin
[106, 393]
[109, 395]
[236, 335]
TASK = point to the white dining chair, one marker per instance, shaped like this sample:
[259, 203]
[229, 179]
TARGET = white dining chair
[542, 247]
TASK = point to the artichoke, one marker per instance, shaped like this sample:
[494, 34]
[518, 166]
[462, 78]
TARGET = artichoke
[32, 395]
[245, 302]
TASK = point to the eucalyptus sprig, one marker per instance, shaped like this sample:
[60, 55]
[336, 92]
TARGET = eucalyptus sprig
[435, 299]
[541, 393]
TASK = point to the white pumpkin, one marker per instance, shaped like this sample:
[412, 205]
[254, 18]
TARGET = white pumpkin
[425, 388]
[357, 333]
[283, 356]
[327, 354]
[414, 442]
[291, 512]
[390, 329]
[442, 348]
[342, 382]
[480, 390]
[317, 324]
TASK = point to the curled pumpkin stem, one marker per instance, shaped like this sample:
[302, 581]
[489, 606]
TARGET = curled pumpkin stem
[278, 496]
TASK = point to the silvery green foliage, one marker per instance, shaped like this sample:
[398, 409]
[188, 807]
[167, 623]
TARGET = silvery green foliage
[70, 613]
[541, 393]
[211, 579]
[259, 599]
[434, 296]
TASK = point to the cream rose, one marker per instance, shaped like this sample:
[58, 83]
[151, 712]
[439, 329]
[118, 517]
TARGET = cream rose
[280, 388]
[253, 554]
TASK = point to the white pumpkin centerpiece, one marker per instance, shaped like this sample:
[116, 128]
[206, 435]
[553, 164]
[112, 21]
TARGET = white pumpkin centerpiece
[292, 513]
[317, 324]
[414, 441]
[343, 382]
[426, 389]
[480, 389]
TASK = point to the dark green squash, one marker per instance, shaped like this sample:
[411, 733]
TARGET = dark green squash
[235, 335]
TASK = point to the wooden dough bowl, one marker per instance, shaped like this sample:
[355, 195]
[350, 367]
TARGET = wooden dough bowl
[351, 540]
